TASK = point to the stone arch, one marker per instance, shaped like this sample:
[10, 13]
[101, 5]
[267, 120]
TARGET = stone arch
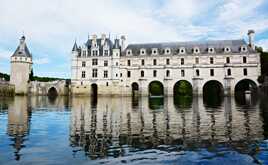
[182, 88]
[94, 89]
[135, 88]
[156, 88]
[213, 92]
[52, 91]
[245, 85]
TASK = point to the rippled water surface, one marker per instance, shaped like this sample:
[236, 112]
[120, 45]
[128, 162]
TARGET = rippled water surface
[122, 130]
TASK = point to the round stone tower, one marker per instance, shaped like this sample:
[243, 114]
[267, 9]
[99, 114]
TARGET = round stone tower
[21, 66]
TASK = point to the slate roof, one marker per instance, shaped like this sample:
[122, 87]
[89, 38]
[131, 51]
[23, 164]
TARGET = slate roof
[218, 45]
[22, 50]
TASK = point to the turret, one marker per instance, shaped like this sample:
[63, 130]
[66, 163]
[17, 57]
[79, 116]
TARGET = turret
[251, 34]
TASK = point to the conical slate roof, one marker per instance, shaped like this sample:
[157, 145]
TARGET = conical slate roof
[22, 50]
[75, 48]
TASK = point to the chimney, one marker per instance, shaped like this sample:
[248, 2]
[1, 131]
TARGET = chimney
[251, 34]
[94, 40]
[123, 42]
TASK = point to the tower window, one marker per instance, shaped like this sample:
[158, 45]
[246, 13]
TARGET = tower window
[182, 61]
[167, 61]
[83, 74]
[106, 52]
[94, 61]
[211, 72]
[182, 73]
[142, 73]
[107, 84]
[128, 74]
[167, 73]
[83, 63]
[229, 73]
[154, 62]
[197, 72]
[128, 62]
[244, 60]
[245, 71]
[94, 72]
[155, 73]
[105, 74]
[227, 60]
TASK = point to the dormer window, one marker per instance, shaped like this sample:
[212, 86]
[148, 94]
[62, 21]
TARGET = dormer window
[142, 52]
[182, 50]
[227, 49]
[129, 52]
[211, 50]
[154, 51]
[196, 50]
[167, 51]
[243, 49]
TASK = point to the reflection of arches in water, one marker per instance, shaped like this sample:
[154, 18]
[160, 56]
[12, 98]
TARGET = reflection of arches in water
[135, 89]
[135, 102]
[245, 92]
[183, 101]
[213, 93]
[156, 103]
[156, 88]
[183, 88]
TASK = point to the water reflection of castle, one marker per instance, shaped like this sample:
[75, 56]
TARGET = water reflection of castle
[103, 129]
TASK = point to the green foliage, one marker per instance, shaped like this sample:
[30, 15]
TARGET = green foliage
[264, 64]
[156, 88]
[31, 76]
[183, 88]
[5, 76]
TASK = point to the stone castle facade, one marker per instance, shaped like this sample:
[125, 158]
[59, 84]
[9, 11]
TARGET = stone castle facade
[103, 67]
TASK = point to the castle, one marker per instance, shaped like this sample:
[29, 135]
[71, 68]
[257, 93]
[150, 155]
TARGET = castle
[103, 67]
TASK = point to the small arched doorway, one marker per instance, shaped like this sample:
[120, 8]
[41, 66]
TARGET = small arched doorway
[156, 88]
[213, 93]
[244, 90]
[94, 90]
[135, 89]
[52, 92]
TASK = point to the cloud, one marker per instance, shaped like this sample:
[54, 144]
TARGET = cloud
[5, 54]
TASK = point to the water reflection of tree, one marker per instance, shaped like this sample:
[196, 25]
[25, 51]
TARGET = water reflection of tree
[264, 115]
[19, 117]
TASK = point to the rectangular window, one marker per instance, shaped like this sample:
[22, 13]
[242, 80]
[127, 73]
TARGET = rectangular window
[105, 74]
[128, 63]
[182, 73]
[154, 62]
[84, 53]
[211, 72]
[105, 63]
[83, 63]
[142, 62]
[227, 60]
[94, 72]
[244, 59]
[106, 52]
[211, 59]
[95, 52]
[245, 72]
[196, 60]
[83, 74]
[197, 72]
[182, 61]
[167, 61]
[229, 73]
[155, 73]
[94, 61]
[128, 74]
[142, 73]
[167, 73]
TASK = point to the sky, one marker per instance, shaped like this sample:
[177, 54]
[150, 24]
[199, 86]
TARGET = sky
[52, 26]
